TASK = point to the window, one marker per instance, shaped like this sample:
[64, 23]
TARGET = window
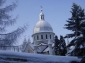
[46, 36]
[37, 37]
[50, 36]
[42, 17]
[41, 36]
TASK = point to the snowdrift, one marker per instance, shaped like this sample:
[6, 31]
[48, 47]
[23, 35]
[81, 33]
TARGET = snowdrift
[19, 57]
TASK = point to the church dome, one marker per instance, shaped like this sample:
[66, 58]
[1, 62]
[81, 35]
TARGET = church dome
[42, 25]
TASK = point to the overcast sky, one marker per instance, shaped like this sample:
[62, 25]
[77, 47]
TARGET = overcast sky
[56, 13]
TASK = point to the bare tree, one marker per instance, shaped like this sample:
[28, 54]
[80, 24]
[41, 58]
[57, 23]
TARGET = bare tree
[6, 20]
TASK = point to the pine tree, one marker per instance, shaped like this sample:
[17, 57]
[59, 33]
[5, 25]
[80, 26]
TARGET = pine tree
[76, 24]
[6, 20]
[56, 46]
[62, 46]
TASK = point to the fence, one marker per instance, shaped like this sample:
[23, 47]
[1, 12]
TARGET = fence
[12, 48]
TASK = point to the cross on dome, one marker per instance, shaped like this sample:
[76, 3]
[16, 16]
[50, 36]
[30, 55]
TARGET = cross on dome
[41, 8]
[41, 16]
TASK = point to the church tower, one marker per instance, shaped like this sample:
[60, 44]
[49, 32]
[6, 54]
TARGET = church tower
[43, 35]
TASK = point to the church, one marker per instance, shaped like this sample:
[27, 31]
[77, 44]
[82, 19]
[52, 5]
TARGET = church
[43, 38]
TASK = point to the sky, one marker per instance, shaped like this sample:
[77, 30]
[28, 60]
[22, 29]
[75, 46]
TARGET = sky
[56, 13]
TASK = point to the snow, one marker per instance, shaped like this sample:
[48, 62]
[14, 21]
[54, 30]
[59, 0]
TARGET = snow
[47, 49]
[70, 50]
[42, 47]
[35, 58]
[42, 44]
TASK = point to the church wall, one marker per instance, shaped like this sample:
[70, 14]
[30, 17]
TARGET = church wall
[44, 36]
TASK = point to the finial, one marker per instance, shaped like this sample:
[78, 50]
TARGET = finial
[41, 8]
[41, 16]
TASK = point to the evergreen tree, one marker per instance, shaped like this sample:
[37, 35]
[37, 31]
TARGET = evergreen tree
[76, 24]
[10, 38]
[62, 46]
[56, 46]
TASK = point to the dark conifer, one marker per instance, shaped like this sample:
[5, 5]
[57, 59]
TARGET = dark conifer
[76, 24]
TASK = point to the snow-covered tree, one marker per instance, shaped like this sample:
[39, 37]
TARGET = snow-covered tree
[8, 39]
[62, 46]
[56, 46]
[76, 24]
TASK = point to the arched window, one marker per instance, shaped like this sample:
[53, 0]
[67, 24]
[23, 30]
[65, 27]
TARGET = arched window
[41, 36]
[50, 36]
[46, 36]
[42, 17]
[37, 37]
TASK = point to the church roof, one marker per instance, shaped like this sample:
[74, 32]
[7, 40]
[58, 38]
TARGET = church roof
[42, 25]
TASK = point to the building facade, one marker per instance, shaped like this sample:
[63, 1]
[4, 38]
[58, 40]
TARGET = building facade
[43, 37]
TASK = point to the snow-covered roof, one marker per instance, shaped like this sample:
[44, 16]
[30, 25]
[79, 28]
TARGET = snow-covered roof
[42, 44]
[31, 45]
[42, 47]
[47, 49]
[70, 50]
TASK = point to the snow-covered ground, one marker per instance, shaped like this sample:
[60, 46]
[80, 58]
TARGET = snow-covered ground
[19, 57]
